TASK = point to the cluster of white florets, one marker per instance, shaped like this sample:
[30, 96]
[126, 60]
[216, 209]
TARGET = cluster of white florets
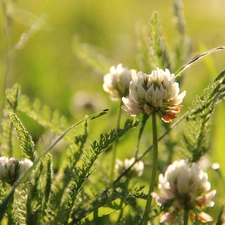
[145, 93]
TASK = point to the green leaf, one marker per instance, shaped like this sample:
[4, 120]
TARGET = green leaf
[91, 56]
[157, 44]
[183, 43]
[5, 201]
[145, 58]
[105, 210]
[12, 96]
[43, 115]
[26, 143]
[198, 120]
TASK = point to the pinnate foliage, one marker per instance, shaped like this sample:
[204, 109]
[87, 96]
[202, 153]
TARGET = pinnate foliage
[199, 117]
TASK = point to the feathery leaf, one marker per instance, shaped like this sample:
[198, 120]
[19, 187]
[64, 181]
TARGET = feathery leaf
[199, 117]
[26, 143]
[157, 44]
[90, 56]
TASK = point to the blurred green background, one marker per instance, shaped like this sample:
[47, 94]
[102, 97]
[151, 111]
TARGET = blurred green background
[47, 68]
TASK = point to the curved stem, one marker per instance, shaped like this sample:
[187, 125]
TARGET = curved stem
[154, 168]
[186, 216]
[115, 145]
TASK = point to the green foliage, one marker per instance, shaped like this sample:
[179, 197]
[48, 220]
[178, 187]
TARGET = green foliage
[199, 116]
[91, 56]
[43, 115]
[6, 124]
[157, 45]
[26, 143]
[183, 46]
[153, 51]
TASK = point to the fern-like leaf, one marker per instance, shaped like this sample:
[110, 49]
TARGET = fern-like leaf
[157, 44]
[19, 204]
[43, 115]
[81, 173]
[35, 197]
[49, 179]
[145, 58]
[91, 56]
[4, 203]
[199, 117]
[26, 143]
[183, 46]
[107, 202]
[67, 173]
[12, 96]
[6, 125]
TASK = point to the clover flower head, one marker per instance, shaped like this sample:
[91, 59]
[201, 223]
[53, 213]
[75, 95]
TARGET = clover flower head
[155, 92]
[135, 171]
[116, 83]
[184, 187]
[12, 168]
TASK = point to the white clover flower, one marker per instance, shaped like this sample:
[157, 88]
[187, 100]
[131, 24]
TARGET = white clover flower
[8, 169]
[155, 92]
[184, 187]
[12, 168]
[136, 170]
[3, 171]
[116, 83]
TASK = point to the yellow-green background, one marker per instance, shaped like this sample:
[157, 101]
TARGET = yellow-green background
[46, 67]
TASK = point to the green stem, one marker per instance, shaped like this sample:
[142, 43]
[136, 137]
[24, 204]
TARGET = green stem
[121, 204]
[186, 217]
[144, 120]
[10, 210]
[154, 168]
[115, 145]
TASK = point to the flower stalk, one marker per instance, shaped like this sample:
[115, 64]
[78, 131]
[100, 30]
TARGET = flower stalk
[186, 216]
[154, 167]
[143, 123]
[115, 146]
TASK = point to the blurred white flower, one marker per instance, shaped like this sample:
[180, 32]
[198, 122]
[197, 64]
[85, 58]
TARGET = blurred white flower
[8, 169]
[184, 187]
[155, 92]
[24, 165]
[135, 171]
[12, 168]
[116, 83]
[3, 171]
[88, 102]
